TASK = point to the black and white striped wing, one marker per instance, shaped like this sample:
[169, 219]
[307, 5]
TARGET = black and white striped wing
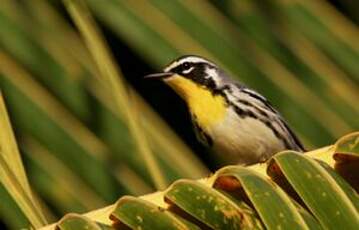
[248, 103]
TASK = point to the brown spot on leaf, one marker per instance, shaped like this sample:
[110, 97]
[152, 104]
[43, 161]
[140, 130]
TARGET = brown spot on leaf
[227, 183]
[344, 158]
[349, 170]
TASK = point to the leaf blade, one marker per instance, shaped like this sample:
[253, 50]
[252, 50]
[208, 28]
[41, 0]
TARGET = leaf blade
[318, 190]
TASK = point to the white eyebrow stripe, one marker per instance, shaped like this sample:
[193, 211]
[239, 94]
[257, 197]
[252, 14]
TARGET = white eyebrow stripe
[191, 59]
[171, 66]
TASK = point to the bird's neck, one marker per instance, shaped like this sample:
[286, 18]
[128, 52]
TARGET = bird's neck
[209, 109]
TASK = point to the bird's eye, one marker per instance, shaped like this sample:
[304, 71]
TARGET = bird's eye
[186, 66]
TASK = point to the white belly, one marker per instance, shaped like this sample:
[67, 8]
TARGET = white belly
[243, 141]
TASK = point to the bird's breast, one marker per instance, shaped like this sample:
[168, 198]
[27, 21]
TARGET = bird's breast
[243, 140]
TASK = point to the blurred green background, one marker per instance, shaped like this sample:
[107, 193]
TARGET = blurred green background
[78, 152]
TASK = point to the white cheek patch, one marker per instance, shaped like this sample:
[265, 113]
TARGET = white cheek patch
[212, 73]
[187, 71]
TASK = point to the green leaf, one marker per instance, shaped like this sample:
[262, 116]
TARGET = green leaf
[346, 156]
[309, 219]
[211, 207]
[140, 214]
[31, 54]
[113, 80]
[10, 213]
[78, 222]
[312, 27]
[345, 186]
[348, 144]
[12, 174]
[54, 128]
[318, 190]
[272, 204]
[67, 192]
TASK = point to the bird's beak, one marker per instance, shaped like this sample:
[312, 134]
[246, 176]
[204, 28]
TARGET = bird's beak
[159, 75]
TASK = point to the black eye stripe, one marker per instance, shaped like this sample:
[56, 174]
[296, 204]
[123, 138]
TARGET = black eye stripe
[187, 65]
[182, 67]
[198, 74]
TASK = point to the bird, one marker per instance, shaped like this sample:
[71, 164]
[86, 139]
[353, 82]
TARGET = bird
[237, 124]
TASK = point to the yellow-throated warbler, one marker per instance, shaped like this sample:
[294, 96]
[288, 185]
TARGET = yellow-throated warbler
[237, 123]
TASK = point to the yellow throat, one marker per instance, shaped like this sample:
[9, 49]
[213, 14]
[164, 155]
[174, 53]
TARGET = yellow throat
[209, 109]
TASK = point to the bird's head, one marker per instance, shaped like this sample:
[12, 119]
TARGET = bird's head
[188, 75]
